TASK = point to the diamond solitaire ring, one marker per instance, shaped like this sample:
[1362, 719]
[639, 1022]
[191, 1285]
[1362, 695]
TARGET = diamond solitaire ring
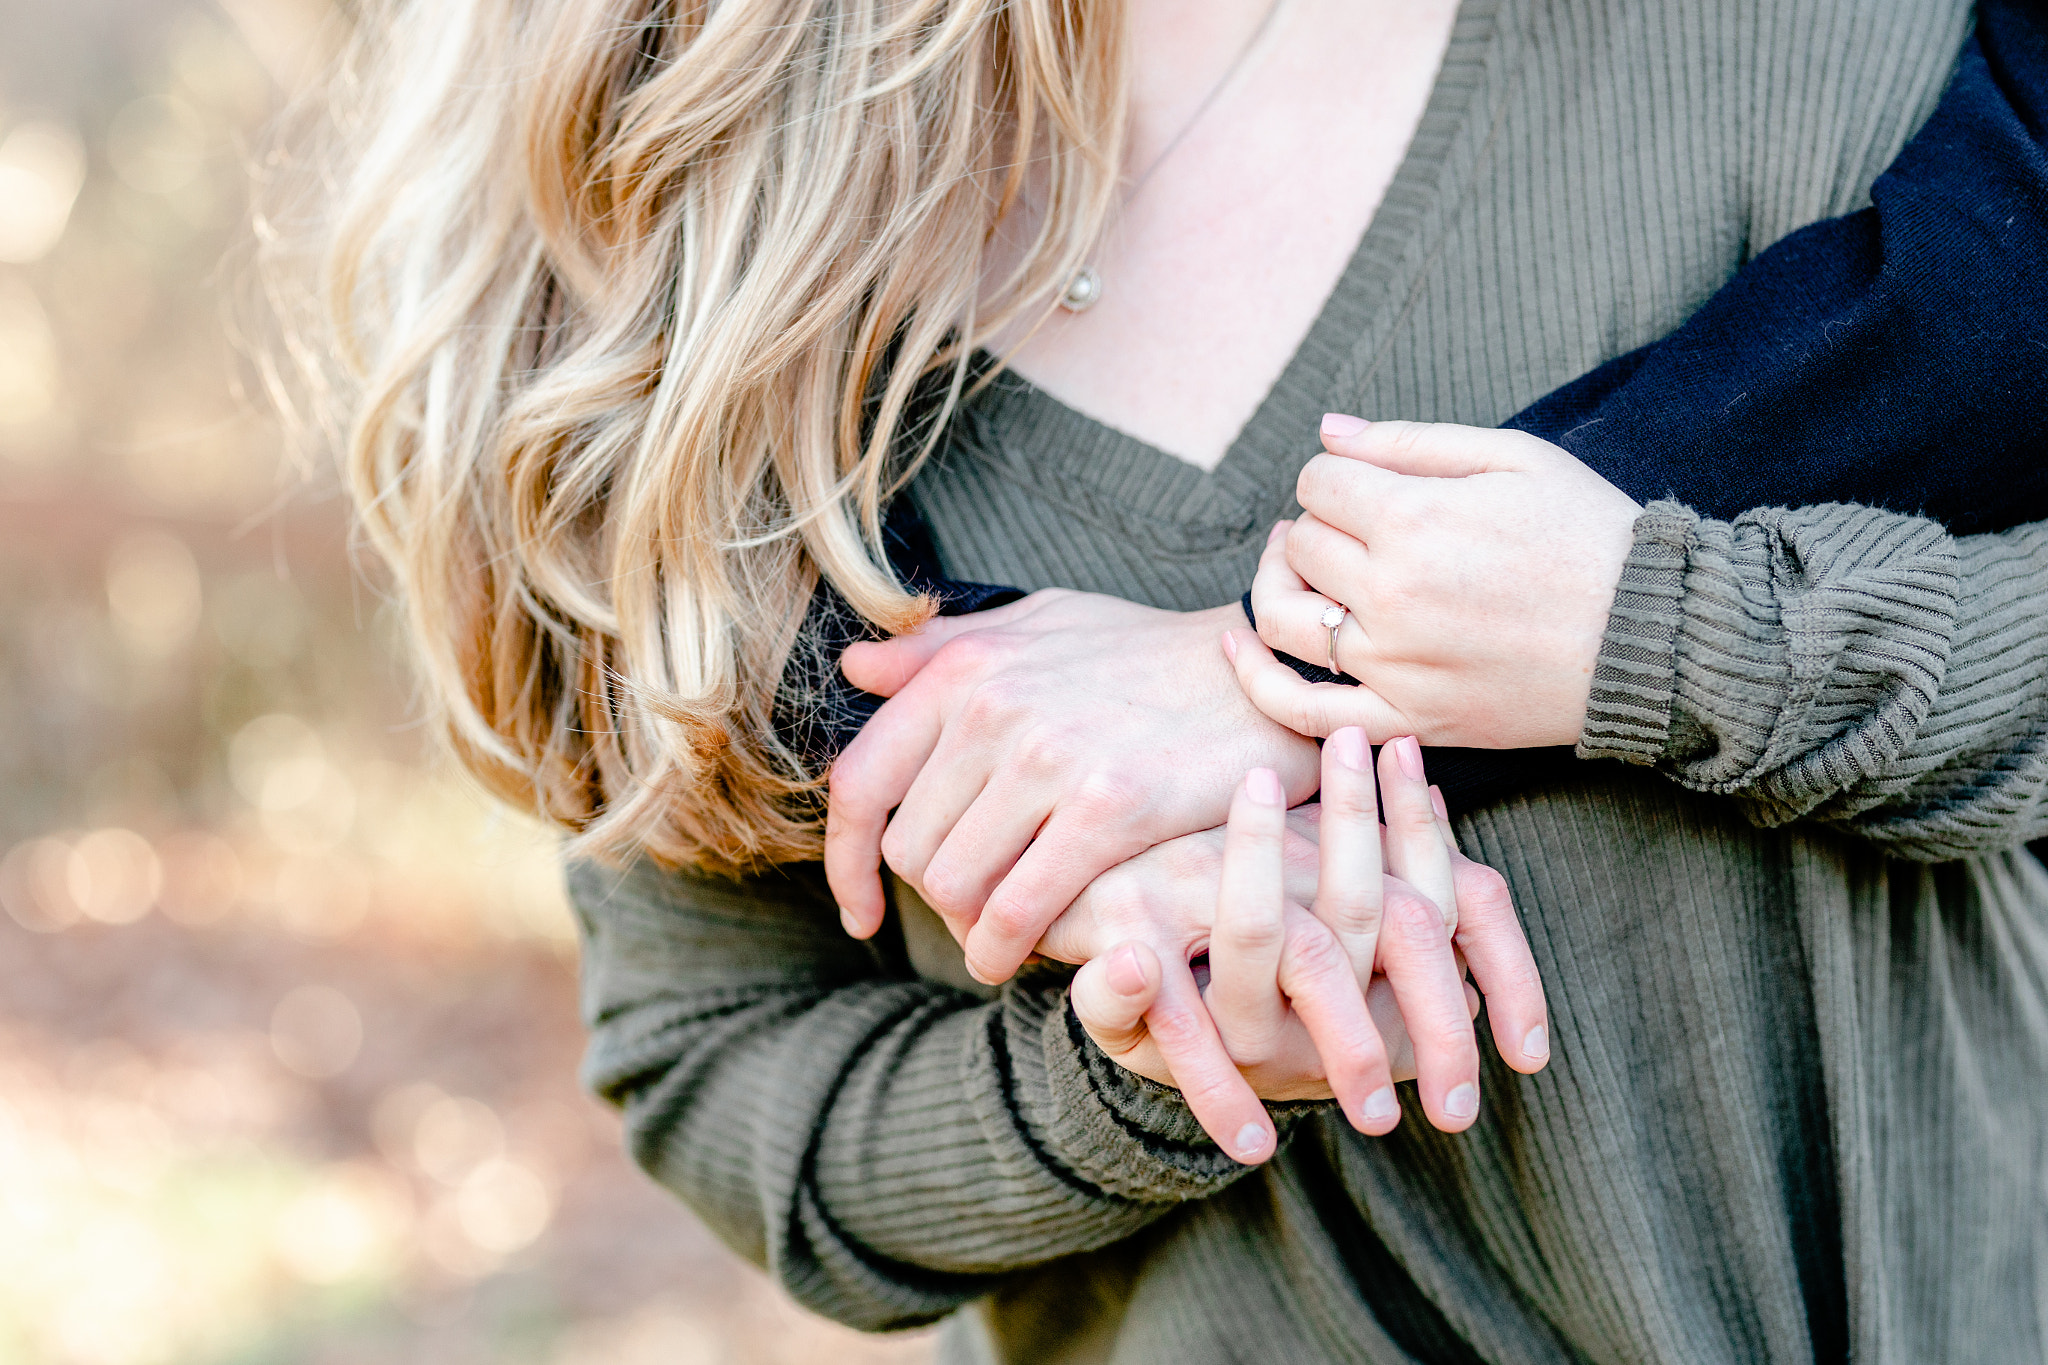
[1333, 617]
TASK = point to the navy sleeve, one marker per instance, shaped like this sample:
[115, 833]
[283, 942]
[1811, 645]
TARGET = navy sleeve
[1896, 357]
[817, 711]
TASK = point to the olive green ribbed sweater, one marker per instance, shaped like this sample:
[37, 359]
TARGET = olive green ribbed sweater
[1798, 969]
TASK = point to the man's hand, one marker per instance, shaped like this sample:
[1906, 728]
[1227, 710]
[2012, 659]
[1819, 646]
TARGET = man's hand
[1027, 750]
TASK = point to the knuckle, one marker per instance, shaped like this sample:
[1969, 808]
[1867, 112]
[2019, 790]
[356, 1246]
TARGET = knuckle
[1349, 801]
[991, 705]
[943, 888]
[1349, 913]
[1313, 951]
[1046, 750]
[1453, 1037]
[1318, 480]
[1402, 436]
[1485, 892]
[1009, 920]
[843, 788]
[899, 850]
[1409, 911]
[1107, 793]
[1250, 1047]
[1251, 935]
[970, 654]
[1413, 819]
[1175, 1028]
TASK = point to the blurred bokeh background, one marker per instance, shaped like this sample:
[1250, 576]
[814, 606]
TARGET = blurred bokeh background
[288, 1033]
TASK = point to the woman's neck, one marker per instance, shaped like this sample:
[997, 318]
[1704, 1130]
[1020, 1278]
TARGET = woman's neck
[1212, 274]
[1179, 53]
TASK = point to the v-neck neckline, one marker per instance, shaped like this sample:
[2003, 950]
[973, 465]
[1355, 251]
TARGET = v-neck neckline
[1242, 491]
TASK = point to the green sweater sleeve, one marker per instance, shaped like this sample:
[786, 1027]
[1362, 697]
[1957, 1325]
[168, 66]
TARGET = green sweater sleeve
[887, 1146]
[1837, 663]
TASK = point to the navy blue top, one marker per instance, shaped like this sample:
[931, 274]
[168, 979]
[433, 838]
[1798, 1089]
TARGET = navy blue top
[1895, 357]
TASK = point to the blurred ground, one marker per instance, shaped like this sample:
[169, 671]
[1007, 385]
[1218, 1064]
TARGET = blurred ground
[287, 1015]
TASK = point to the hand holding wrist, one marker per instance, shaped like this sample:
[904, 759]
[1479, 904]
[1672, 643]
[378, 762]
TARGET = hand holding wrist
[1477, 612]
[1029, 749]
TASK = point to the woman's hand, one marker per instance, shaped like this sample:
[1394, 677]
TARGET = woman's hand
[1027, 750]
[1282, 1018]
[1479, 566]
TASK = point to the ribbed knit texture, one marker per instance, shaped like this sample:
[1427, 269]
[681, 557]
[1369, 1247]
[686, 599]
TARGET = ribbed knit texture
[1796, 1109]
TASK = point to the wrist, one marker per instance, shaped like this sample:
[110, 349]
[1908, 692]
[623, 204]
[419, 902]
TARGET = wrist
[1297, 758]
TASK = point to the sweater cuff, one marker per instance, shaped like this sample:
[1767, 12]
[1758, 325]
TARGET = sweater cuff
[1628, 715]
[1131, 1136]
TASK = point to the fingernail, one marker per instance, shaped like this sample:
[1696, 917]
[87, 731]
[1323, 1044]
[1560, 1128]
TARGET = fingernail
[1436, 803]
[1126, 973]
[1279, 530]
[1408, 753]
[1380, 1105]
[1536, 1043]
[1340, 424]
[848, 922]
[1463, 1101]
[1230, 646]
[1251, 1140]
[1263, 786]
[1349, 746]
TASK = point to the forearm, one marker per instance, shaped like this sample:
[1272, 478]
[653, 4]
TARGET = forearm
[888, 1146]
[1837, 663]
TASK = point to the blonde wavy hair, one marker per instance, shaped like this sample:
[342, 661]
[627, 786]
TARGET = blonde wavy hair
[622, 309]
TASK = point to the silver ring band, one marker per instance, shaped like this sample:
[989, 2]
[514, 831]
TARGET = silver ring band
[1333, 619]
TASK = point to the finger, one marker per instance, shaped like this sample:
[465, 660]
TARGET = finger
[867, 781]
[954, 779]
[1246, 941]
[980, 849]
[1443, 817]
[1348, 495]
[1428, 984]
[1316, 974]
[1111, 993]
[1385, 1009]
[1082, 839]
[1216, 1092]
[1415, 850]
[1330, 558]
[1274, 579]
[885, 667]
[1491, 938]
[1290, 617]
[1349, 890]
[1306, 708]
[1439, 450]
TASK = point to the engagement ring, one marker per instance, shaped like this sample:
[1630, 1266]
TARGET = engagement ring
[1333, 617]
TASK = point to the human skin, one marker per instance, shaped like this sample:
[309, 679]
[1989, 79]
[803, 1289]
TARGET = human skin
[1105, 723]
[1498, 654]
[1293, 935]
[1022, 759]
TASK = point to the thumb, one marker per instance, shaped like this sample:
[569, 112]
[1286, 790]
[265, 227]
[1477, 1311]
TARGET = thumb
[885, 667]
[1434, 450]
[1111, 994]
